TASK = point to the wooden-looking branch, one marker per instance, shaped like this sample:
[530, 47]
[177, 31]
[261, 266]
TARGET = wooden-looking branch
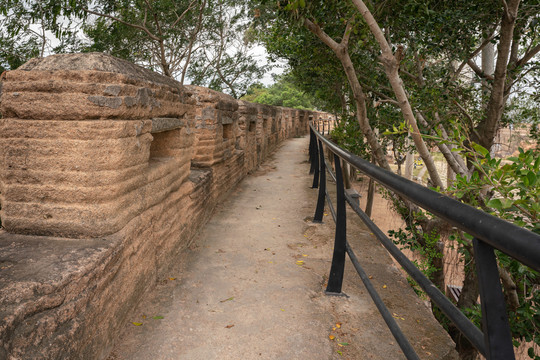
[510, 289]
[528, 56]
[143, 28]
[447, 153]
[347, 33]
[479, 71]
[473, 54]
[342, 53]
[316, 29]
[181, 16]
[391, 66]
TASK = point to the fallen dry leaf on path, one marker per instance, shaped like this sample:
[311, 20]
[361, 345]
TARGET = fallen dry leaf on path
[229, 326]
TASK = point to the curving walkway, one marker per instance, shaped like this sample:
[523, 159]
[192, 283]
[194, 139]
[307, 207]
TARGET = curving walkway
[252, 285]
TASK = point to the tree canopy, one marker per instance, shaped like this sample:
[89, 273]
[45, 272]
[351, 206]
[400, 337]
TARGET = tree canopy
[205, 41]
[283, 92]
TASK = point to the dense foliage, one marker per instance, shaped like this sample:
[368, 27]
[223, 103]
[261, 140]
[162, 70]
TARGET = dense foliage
[282, 93]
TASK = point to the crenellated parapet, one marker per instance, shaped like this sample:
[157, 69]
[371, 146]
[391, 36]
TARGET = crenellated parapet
[107, 171]
[89, 142]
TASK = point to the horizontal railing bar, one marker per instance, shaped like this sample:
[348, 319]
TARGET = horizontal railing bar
[329, 169]
[331, 206]
[471, 332]
[520, 243]
[404, 344]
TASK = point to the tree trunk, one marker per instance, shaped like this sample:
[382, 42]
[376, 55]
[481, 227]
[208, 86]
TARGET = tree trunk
[361, 110]
[391, 67]
[342, 53]
[488, 64]
[490, 123]
[467, 299]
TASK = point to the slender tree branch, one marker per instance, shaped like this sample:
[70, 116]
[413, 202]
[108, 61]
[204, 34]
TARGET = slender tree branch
[479, 71]
[178, 18]
[152, 36]
[528, 56]
[192, 41]
[447, 153]
[316, 29]
[405, 72]
[468, 116]
[473, 54]
[347, 33]
[510, 288]
[506, 9]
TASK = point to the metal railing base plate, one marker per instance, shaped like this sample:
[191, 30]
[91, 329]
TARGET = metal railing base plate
[341, 294]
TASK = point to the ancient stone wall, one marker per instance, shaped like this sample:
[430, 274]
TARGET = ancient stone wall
[107, 170]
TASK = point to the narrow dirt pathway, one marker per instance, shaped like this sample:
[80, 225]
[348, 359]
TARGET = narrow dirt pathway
[252, 285]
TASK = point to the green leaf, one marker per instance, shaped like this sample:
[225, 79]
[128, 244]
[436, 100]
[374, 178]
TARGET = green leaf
[495, 203]
[507, 203]
[480, 149]
[531, 176]
[157, 317]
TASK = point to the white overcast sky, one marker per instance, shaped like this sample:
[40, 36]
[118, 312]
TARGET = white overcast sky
[259, 52]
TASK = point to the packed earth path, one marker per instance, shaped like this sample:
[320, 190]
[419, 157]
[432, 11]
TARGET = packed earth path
[251, 285]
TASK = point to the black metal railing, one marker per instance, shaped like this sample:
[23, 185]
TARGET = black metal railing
[489, 232]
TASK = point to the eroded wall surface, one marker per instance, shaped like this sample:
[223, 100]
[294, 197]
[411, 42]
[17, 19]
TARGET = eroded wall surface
[107, 170]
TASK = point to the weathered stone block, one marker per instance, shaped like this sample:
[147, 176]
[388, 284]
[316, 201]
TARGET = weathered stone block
[70, 119]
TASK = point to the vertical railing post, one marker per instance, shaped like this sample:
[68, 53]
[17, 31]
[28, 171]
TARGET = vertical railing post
[323, 127]
[312, 151]
[335, 280]
[497, 336]
[317, 218]
[315, 162]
